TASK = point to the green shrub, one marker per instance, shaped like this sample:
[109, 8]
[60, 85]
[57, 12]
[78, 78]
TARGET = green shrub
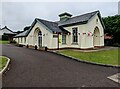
[4, 37]
[13, 41]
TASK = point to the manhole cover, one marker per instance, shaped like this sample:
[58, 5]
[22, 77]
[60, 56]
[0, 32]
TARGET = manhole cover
[115, 77]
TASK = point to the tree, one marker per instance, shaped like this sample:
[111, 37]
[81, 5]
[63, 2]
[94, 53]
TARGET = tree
[5, 37]
[26, 28]
[18, 32]
[112, 25]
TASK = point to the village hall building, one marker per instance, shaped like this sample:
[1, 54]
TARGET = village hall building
[84, 32]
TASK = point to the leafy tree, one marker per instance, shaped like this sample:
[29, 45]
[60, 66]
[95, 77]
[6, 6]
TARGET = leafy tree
[26, 28]
[112, 25]
[18, 32]
[5, 37]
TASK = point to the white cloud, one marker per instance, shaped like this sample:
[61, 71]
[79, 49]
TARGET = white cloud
[17, 15]
[119, 7]
[0, 15]
[59, 1]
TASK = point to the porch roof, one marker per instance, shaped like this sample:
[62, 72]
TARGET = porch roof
[53, 26]
[23, 34]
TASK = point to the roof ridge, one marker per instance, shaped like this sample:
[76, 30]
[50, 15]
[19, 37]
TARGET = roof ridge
[84, 14]
[44, 20]
[21, 33]
[80, 15]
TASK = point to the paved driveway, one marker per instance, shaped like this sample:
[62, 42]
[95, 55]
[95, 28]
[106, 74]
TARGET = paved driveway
[31, 68]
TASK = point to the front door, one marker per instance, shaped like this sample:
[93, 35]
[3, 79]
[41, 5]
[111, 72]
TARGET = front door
[40, 39]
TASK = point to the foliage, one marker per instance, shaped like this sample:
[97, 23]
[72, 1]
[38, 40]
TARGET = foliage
[5, 37]
[13, 41]
[104, 57]
[18, 32]
[26, 28]
[112, 25]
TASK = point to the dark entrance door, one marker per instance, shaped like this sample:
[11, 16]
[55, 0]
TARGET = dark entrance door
[40, 39]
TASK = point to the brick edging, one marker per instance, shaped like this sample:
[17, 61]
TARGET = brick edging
[6, 66]
[92, 63]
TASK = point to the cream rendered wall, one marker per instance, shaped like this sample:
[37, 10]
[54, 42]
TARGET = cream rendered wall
[54, 43]
[92, 24]
[47, 37]
[21, 40]
[18, 40]
[85, 41]
[81, 38]
[15, 39]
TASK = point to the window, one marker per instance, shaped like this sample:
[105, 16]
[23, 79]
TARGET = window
[63, 39]
[55, 36]
[75, 35]
[25, 40]
[18, 40]
[21, 39]
[96, 20]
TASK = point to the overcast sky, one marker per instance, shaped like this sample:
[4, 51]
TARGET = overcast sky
[17, 15]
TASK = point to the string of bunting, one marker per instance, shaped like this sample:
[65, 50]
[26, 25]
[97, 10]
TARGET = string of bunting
[88, 34]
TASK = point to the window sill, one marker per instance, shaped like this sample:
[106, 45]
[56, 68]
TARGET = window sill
[64, 44]
[74, 43]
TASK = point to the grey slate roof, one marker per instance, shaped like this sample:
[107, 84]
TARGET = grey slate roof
[51, 25]
[22, 34]
[78, 19]
[58, 26]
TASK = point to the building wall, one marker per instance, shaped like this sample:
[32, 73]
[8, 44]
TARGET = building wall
[47, 37]
[91, 27]
[69, 43]
[54, 42]
[15, 39]
[21, 40]
[84, 40]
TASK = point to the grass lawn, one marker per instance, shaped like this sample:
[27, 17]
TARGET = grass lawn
[3, 62]
[104, 57]
[4, 42]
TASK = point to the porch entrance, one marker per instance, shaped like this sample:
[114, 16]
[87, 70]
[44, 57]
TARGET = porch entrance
[96, 37]
[37, 38]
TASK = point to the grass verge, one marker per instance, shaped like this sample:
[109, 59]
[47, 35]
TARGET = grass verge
[4, 42]
[3, 62]
[104, 57]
